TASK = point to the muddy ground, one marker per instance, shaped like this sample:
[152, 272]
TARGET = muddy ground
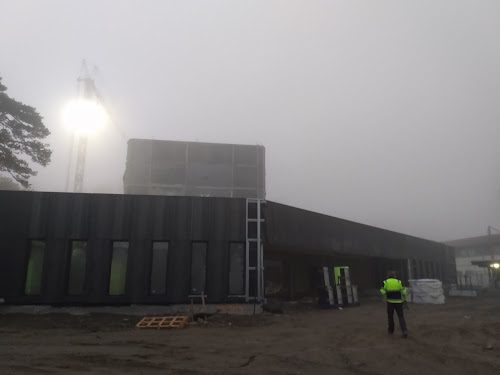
[459, 337]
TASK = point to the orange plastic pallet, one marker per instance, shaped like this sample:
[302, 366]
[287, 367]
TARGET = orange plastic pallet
[163, 322]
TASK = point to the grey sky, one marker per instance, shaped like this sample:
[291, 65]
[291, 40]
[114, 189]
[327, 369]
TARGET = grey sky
[381, 112]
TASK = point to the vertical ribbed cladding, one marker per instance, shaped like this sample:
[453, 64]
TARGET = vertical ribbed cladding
[141, 237]
[218, 247]
[180, 243]
[59, 218]
[303, 232]
[15, 214]
[65, 221]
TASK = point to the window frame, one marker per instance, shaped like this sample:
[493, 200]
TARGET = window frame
[69, 264]
[43, 268]
[151, 259]
[110, 268]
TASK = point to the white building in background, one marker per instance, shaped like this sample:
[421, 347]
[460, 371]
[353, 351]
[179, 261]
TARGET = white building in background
[478, 261]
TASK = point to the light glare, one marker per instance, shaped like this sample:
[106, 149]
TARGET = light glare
[84, 116]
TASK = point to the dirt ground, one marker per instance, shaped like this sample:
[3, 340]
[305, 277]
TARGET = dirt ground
[459, 337]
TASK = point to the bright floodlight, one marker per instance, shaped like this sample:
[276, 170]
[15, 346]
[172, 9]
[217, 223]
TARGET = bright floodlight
[496, 265]
[84, 116]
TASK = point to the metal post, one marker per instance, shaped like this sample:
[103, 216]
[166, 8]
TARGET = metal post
[263, 296]
[410, 270]
[259, 260]
[247, 257]
[70, 157]
[80, 163]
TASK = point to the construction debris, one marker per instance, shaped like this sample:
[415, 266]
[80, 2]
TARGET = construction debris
[203, 315]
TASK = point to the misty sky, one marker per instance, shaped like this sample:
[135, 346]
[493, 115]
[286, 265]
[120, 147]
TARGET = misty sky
[381, 112]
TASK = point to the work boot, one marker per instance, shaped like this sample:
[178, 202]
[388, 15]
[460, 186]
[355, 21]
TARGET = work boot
[405, 334]
[389, 332]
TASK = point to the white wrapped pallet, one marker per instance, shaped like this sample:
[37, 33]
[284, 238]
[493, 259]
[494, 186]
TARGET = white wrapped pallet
[427, 291]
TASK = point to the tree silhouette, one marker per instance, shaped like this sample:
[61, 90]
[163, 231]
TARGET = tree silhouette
[21, 129]
[7, 183]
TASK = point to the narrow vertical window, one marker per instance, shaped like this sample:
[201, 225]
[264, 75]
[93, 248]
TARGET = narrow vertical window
[198, 267]
[35, 268]
[118, 274]
[159, 262]
[77, 268]
[236, 268]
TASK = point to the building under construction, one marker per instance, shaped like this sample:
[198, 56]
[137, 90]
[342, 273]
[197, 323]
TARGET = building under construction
[192, 222]
[67, 248]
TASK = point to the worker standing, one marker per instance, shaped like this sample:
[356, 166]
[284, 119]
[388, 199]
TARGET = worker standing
[394, 293]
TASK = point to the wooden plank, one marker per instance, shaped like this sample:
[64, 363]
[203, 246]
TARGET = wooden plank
[162, 322]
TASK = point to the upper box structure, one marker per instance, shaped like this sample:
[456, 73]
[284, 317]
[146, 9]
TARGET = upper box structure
[178, 168]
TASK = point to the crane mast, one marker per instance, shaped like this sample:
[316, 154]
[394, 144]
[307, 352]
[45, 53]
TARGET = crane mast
[89, 92]
[91, 100]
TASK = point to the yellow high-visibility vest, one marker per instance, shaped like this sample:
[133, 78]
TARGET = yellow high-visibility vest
[393, 290]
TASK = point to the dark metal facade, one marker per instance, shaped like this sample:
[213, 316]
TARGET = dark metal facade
[59, 218]
[200, 234]
[304, 240]
[300, 230]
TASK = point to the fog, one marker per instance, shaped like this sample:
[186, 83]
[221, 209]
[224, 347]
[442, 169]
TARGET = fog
[380, 112]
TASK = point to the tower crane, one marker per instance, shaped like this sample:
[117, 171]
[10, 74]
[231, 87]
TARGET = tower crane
[86, 91]
[89, 92]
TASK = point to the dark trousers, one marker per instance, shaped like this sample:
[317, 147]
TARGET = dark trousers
[398, 307]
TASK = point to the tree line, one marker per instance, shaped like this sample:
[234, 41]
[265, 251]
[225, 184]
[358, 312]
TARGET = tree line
[21, 133]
